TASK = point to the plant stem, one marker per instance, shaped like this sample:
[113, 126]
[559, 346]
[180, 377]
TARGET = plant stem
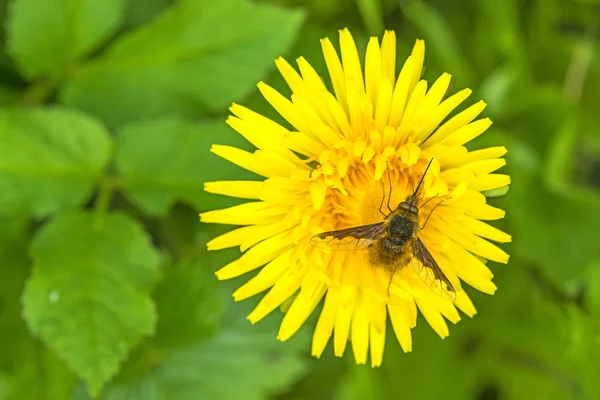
[103, 200]
[39, 93]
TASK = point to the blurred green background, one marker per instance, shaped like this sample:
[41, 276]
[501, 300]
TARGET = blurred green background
[108, 110]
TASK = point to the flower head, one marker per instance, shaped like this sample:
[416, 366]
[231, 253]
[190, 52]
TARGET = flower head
[333, 168]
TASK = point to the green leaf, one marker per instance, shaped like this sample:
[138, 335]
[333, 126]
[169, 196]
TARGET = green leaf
[88, 298]
[199, 56]
[6, 65]
[40, 375]
[188, 304]
[50, 159]
[27, 369]
[47, 36]
[12, 231]
[309, 48]
[164, 160]
[9, 95]
[593, 288]
[237, 363]
[13, 272]
[140, 12]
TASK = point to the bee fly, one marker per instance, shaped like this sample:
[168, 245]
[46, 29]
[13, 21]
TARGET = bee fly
[393, 243]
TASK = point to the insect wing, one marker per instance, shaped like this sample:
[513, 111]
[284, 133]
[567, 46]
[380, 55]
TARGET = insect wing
[354, 238]
[430, 272]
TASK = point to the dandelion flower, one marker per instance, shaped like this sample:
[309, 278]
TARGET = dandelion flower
[326, 171]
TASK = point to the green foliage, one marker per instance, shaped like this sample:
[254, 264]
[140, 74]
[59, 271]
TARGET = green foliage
[184, 162]
[199, 301]
[63, 32]
[185, 62]
[108, 110]
[88, 297]
[28, 370]
[258, 364]
[51, 159]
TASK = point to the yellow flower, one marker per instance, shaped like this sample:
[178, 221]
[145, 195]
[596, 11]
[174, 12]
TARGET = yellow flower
[327, 171]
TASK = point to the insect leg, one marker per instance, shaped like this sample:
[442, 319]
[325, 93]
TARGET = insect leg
[428, 200]
[390, 194]
[436, 206]
[390, 283]
[382, 198]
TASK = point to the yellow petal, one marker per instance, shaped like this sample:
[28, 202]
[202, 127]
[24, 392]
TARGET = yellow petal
[433, 318]
[240, 189]
[350, 60]
[401, 92]
[458, 121]
[285, 287]
[373, 70]
[485, 166]
[377, 342]
[340, 115]
[388, 56]
[242, 158]
[467, 132]
[257, 256]
[486, 212]
[343, 319]
[261, 162]
[246, 214]
[336, 72]
[324, 327]
[318, 190]
[298, 313]
[464, 303]
[310, 76]
[360, 331]
[384, 102]
[285, 108]
[489, 182]
[401, 328]
[477, 155]
[246, 236]
[266, 278]
[301, 143]
[315, 93]
[418, 54]
[440, 113]
[289, 74]
[487, 231]
[432, 99]
[415, 100]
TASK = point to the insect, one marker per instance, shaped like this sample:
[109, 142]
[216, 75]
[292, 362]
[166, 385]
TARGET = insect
[393, 243]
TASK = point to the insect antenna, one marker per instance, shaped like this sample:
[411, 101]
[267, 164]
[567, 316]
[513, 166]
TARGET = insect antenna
[422, 178]
[431, 212]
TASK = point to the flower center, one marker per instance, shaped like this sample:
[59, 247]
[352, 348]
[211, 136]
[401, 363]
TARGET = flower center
[368, 200]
